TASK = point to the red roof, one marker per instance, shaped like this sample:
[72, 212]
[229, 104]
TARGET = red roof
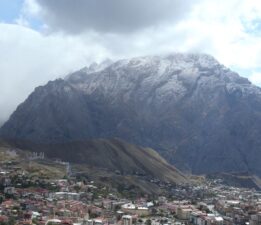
[3, 218]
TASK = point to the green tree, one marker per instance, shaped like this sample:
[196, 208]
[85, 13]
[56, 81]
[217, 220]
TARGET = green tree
[148, 222]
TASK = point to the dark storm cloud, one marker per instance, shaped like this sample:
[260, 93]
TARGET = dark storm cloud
[113, 16]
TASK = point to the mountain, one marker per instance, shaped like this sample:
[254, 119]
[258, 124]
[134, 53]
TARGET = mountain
[198, 114]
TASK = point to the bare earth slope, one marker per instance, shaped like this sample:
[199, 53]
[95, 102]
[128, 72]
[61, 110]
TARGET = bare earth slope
[112, 155]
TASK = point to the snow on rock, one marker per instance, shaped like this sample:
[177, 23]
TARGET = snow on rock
[156, 77]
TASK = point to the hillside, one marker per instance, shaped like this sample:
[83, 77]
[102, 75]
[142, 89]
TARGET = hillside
[113, 163]
[198, 114]
[20, 158]
[243, 180]
[112, 155]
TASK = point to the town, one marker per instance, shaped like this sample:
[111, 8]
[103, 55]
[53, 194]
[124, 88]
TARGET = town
[31, 199]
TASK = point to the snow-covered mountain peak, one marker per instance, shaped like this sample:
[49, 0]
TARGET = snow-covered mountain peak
[174, 59]
[169, 74]
[162, 67]
[157, 64]
[95, 67]
[92, 68]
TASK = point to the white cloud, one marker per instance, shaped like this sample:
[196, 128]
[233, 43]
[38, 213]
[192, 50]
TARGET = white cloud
[111, 16]
[255, 78]
[227, 30]
[29, 59]
[30, 8]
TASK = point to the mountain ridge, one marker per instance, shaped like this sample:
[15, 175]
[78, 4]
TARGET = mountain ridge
[197, 113]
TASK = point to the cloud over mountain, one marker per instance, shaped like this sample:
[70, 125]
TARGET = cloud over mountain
[49, 38]
[111, 16]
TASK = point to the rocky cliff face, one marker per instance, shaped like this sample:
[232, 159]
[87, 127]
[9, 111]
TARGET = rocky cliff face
[197, 113]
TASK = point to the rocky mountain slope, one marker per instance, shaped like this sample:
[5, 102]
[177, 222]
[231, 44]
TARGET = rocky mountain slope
[197, 113]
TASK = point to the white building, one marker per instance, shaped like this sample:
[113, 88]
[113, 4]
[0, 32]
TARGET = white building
[127, 220]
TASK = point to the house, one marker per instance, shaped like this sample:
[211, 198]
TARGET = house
[133, 209]
[127, 220]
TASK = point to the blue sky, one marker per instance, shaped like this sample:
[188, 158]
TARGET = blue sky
[10, 10]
